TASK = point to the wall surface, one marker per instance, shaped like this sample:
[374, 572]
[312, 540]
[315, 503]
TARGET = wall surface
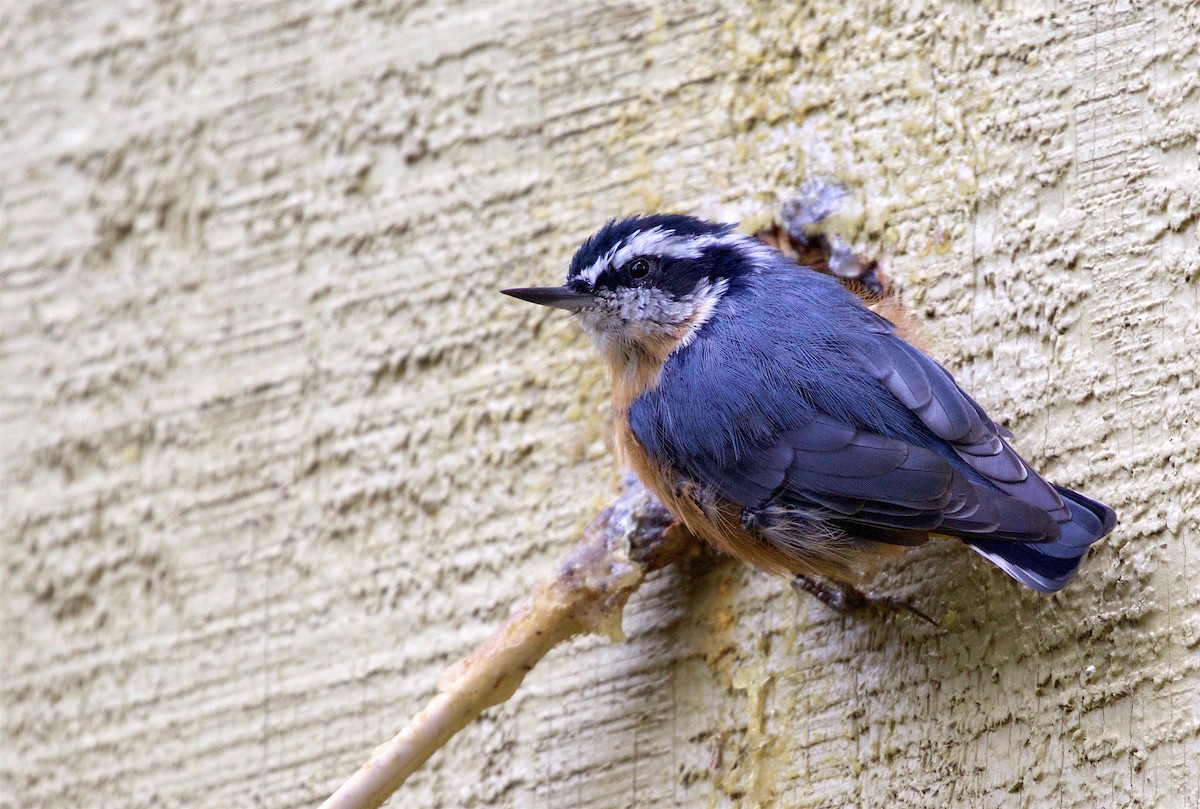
[274, 452]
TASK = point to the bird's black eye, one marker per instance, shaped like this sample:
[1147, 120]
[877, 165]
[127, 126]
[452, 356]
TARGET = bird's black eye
[640, 267]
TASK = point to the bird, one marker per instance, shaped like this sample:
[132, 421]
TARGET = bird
[791, 426]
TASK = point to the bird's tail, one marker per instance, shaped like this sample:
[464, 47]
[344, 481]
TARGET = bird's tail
[1048, 566]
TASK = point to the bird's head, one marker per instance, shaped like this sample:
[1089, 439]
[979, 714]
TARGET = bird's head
[643, 287]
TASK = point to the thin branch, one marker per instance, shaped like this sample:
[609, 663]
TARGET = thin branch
[632, 537]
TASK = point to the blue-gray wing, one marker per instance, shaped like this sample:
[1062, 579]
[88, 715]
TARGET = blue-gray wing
[851, 476]
[877, 435]
[930, 393]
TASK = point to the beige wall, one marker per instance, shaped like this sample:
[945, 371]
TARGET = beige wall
[274, 451]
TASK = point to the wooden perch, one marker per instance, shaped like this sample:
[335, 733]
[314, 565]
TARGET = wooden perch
[632, 537]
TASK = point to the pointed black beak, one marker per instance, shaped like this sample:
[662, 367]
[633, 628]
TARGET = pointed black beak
[558, 297]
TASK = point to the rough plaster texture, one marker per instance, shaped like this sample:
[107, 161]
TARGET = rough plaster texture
[274, 452]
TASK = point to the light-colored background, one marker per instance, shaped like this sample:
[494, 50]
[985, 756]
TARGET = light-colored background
[274, 452]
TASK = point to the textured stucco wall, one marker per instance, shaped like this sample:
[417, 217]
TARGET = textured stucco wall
[274, 452]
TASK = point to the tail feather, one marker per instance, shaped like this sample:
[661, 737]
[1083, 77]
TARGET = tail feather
[1048, 566]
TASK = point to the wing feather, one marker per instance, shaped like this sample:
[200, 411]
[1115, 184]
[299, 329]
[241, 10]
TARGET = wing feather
[952, 415]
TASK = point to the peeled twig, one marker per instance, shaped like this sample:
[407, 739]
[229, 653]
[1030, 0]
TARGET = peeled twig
[632, 537]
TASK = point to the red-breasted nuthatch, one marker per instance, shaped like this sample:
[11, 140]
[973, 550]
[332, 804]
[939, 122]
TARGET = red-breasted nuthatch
[789, 425]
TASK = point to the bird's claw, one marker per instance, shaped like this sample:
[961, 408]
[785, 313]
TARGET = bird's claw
[846, 598]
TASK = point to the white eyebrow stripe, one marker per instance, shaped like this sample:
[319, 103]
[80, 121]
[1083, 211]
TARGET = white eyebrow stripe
[655, 242]
[659, 242]
[592, 271]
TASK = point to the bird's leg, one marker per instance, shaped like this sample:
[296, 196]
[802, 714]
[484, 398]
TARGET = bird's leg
[847, 598]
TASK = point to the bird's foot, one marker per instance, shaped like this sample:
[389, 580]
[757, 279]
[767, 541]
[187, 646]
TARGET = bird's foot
[846, 598]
